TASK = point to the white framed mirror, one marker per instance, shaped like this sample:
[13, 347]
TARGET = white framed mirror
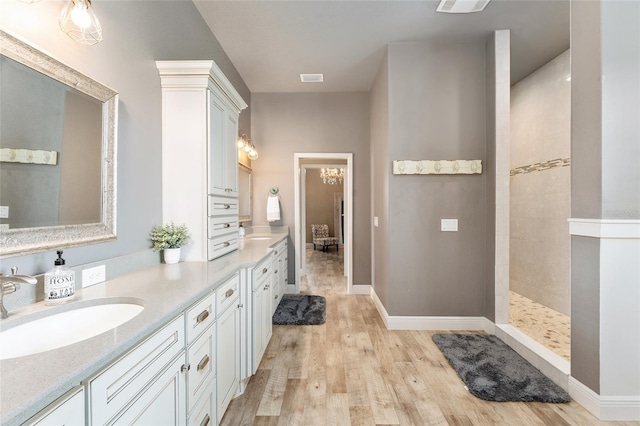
[57, 153]
[245, 196]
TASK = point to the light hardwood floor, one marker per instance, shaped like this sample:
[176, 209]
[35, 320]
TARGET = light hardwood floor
[353, 371]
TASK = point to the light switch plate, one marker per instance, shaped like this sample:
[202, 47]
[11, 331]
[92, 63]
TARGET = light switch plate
[375, 221]
[4, 212]
[450, 225]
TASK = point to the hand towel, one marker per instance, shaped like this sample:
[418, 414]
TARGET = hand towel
[273, 208]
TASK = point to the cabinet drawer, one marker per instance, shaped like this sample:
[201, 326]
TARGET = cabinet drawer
[112, 389]
[204, 412]
[219, 206]
[228, 294]
[200, 316]
[68, 410]
[280, 248]
[201, 357]
[220, 225]
[261, 271]
[222, 245]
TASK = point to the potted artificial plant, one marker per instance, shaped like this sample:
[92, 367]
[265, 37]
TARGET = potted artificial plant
[170, 238]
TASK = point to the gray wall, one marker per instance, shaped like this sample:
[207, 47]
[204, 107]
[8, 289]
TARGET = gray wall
[380, 174]
[287, 123]
[436, 111]
[541, 198]
[136, 33]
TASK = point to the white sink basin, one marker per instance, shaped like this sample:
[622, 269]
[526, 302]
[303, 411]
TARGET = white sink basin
[259, 238]
[64, 328]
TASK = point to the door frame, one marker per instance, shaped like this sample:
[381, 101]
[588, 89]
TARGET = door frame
[299, 238]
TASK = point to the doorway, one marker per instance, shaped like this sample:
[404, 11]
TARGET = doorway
[302, 162]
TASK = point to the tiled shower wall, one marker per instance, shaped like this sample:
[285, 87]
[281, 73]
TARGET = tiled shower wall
[540, 185]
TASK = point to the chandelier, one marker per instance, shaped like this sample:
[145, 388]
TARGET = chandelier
[332, 176]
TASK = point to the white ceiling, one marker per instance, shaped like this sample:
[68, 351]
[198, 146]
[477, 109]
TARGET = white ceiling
[272, 42]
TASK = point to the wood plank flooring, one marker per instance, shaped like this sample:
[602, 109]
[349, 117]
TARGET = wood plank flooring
[353, 371]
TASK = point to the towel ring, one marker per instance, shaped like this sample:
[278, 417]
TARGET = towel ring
[274, 190]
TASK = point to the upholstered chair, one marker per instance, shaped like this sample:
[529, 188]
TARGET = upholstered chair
[321, 237]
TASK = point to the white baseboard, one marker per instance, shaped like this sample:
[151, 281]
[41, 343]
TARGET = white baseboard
[430, 323]
[290, 289]
[360, 289]
[605, 407]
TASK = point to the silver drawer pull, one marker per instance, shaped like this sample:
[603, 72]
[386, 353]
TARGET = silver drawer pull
[227, 206]
[227, 225]
[185, 367]
[275, 272]
[264, 271]
[276, 298]
[276, 252]
[266, 287]
[227, 244]
[229, 293]
[203, 363]
[203, 316]
[205, 421]
[286, 280]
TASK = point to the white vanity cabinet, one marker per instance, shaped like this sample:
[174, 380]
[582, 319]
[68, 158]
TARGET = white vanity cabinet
[228, 343]
[200, 110]
[280, 274]
[261, 324]
[68, 410]
[147, 383]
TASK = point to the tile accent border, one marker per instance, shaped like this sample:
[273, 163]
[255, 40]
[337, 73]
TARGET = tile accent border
[437, 167]
[538, 167]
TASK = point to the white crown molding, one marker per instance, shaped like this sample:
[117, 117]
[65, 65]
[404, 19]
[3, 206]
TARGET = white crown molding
[196, 74]
[604, 228]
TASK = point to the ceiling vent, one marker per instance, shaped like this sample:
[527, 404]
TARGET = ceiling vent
[461, 6]
[311, 78]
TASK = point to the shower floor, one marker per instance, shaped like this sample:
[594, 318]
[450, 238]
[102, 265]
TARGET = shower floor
[546, 326]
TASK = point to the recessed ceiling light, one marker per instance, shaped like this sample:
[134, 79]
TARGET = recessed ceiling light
[461, 6]
[311, 78]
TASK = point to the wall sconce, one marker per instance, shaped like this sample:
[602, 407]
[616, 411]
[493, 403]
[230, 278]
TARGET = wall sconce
[246, 145]
[79, 22]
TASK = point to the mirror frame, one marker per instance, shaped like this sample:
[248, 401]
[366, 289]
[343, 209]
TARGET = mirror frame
[25, 241]
[246, 218]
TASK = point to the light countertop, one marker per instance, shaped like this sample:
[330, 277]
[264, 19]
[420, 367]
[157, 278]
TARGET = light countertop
[30, 383]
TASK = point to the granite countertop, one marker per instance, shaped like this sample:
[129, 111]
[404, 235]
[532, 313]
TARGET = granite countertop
[30, 383]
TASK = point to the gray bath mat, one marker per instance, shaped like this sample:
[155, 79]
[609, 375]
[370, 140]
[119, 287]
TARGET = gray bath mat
[494, 372]
[300, 309]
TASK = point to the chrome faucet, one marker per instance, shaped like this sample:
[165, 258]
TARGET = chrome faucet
[10, 284]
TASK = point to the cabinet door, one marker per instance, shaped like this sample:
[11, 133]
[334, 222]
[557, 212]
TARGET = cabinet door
[68, 411]
[162, 403]
[217, 147]
[228, 357]
[231, 155]
[257, 326]
[267, 315]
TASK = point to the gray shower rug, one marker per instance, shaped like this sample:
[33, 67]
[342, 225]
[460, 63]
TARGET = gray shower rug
[300, 309]
[494, 372]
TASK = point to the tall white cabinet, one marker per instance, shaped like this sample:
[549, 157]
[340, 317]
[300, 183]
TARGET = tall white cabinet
[200, 110]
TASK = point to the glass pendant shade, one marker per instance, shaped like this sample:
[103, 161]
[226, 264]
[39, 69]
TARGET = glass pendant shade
[253, 154]
[79, 22]
[332, 176]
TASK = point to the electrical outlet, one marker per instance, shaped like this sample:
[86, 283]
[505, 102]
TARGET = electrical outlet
[93, 276]
[4, 212]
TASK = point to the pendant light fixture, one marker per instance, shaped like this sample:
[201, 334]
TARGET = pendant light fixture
[79, 22]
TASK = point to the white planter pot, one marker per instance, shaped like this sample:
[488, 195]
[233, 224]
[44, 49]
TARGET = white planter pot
[172, 255]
